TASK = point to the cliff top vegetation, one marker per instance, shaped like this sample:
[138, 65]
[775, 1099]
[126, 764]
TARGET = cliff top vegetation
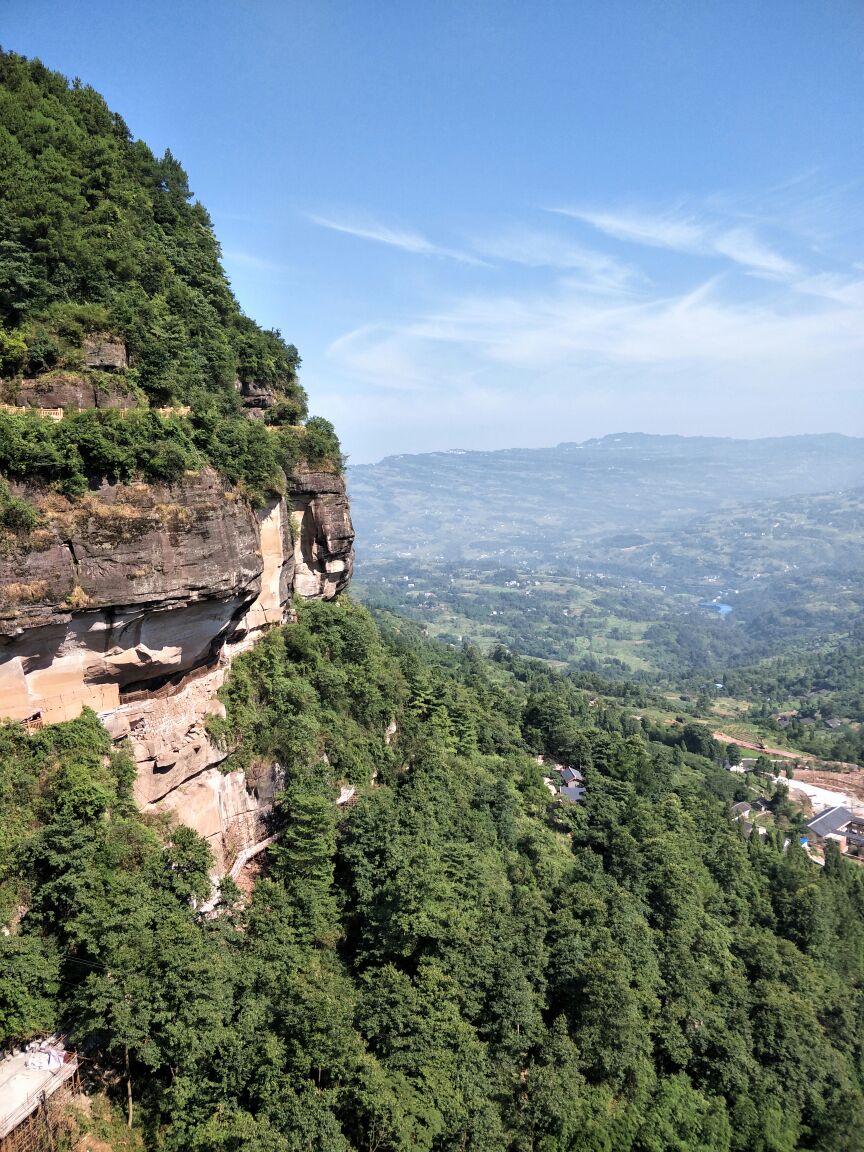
[100, 238]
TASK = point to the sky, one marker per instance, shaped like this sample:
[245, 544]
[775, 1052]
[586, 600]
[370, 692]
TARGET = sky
[490, 225]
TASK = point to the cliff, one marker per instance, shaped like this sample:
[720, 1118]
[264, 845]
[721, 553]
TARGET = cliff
[154, 519]
[133, 599]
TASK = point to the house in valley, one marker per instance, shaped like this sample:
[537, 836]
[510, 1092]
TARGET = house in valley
[840, 825]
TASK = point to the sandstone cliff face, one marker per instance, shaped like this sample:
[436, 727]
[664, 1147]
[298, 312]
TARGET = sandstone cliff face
[134, 600]
[72, 390]
[323, 535]
[105, 351]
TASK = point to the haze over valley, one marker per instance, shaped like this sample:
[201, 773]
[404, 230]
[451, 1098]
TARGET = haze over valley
[600, 554]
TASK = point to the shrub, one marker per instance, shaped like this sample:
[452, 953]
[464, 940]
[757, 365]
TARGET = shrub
[43, 350]
[16, 515]
[320, 444]
[72, 320]
[13, 352]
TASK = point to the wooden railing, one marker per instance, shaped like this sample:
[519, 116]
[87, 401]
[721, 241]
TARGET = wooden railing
[59, 413]
[48, 413]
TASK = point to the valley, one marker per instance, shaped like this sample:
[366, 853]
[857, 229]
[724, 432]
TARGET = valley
[698, 565]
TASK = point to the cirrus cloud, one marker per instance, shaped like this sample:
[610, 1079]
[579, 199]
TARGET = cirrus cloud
[557, 337]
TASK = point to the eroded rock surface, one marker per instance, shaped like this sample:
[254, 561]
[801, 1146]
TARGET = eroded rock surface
[257, 397]
[134, 600]
[129, 584]
[71, 390]
[323, 535]
[226, 809]
[104, 351]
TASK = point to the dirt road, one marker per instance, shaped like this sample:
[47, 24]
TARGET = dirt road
[839, 766]
[851, 781]
[726, 739]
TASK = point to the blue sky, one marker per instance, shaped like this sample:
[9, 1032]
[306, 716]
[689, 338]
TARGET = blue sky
[498, 224]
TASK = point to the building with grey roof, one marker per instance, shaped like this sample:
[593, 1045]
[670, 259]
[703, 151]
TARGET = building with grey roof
[571, 794]
[571, 776]
[831, 822]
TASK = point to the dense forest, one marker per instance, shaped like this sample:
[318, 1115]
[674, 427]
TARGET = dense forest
[98, 235]
[453, 962]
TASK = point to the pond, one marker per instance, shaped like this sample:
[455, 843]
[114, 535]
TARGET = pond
[715, 606]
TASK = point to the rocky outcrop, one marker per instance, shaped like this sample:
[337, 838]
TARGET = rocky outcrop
[257, 397]
[126, 586]
[229, 811]
[323, 534]
[134, 599]
[104, 351]
[69, 390]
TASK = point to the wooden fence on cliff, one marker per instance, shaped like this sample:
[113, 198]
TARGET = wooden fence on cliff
[59, 413]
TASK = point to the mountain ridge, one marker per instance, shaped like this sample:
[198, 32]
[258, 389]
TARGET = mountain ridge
[629, 439]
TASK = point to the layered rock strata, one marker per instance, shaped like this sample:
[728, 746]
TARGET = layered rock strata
[134, 599]
[68, 390]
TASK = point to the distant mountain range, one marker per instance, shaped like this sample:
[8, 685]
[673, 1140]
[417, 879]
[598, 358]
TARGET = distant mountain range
[466, 504]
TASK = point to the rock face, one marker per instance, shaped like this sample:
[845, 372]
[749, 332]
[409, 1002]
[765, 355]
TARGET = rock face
[133, 601]
[69, 390]
[257, 397]
[102, 350]
[323, 535]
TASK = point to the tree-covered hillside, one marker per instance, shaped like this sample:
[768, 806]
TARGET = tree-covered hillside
[451, 962]
[811, 701]
[99, 236]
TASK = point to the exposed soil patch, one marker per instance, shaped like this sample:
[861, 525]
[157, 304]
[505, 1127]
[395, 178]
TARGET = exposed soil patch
[831, 781]
[249, 874]
[848, 781]
[726, 739]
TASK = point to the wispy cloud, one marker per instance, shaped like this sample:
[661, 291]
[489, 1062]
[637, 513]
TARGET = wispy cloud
[536, 248]
[375, 355]
[407, 240]
[556, 365]
[847, 290]
[751, 330]
[664, 230]
[776, 346]
[744, 247]
[689, 234]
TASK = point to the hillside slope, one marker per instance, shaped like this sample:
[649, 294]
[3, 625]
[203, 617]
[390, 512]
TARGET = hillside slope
[561, 502]
[439, 950]
[449, 962]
